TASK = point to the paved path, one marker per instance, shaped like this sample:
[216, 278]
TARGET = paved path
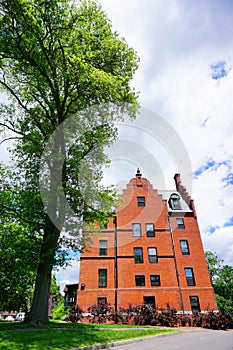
[192, 339]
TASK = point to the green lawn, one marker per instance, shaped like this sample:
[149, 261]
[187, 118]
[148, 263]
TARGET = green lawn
[61, 336]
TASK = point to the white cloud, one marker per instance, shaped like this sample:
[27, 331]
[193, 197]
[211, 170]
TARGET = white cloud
[68, 275]
[179, 44]
[184, 47]
[221, 242]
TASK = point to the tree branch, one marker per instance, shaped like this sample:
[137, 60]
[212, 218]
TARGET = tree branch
[10, 210]
[12, 129]
[10, 138]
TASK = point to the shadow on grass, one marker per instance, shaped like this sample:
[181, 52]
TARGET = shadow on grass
[56, 339]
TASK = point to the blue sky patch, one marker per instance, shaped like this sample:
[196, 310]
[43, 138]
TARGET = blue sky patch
[213, 165]
[211, 229]
[229, 222]
[219, 70]
[203, 168]
[228, 180]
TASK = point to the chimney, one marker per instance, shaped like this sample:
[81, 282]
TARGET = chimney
[138, 178]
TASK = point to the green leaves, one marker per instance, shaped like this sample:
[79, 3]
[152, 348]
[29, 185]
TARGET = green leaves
[222, 281]
[19, 253]
[66, 73]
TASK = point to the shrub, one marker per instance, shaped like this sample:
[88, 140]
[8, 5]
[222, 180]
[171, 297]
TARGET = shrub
[75, 315]
[100, 312]
[145, 314]
[60, 311]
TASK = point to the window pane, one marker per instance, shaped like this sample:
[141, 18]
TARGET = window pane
[150, 231]
[136, 230]
[152, 255]
[194, 302]
[141, 201]
[102, 278]
[180, 223]
[102, 300]
[184, 247]
[140, 280]
[174, 202]
[155, 280]
[138, 255]
[149, 300]
[189, 277]
[102, 247]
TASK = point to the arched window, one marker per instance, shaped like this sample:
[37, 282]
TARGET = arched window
[174, 202]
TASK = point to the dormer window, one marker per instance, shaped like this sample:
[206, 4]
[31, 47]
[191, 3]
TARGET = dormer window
[174, 202]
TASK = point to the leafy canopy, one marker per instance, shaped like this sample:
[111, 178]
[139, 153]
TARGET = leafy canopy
[58, 58]
[67, 76]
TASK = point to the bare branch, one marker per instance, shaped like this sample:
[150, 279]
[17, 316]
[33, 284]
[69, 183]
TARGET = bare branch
[12, 129]
[13, 94]
[10, 138]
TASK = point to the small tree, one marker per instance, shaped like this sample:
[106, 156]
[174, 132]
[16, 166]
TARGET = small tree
[222, 281]
[60, 311]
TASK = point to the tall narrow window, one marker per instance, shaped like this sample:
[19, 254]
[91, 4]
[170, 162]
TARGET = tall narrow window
[152, 255]
[155, 280]
[140, 280]
[184, 247]
[136, 230]
[141, 201]
[180, 223]
[189, 276]
[174, 202]
[150, 230]
[102, 282]
[138, 255]
[102, 247]
[194, 302]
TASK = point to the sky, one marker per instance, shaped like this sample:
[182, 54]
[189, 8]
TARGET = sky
[185, 81]
[186, 78]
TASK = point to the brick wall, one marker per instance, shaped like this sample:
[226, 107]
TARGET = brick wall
[173, 288]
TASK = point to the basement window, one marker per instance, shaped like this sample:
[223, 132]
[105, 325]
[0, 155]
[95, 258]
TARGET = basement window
[101, 300]
[194, 302]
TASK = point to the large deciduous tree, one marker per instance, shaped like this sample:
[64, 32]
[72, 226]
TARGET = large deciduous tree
[67, 76]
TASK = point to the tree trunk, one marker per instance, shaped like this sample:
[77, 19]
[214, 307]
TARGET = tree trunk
[38, 315]
[54, 221]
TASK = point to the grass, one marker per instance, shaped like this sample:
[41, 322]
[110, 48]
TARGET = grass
[63, 336]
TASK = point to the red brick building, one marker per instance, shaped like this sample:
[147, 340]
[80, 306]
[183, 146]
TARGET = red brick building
[150, 252]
